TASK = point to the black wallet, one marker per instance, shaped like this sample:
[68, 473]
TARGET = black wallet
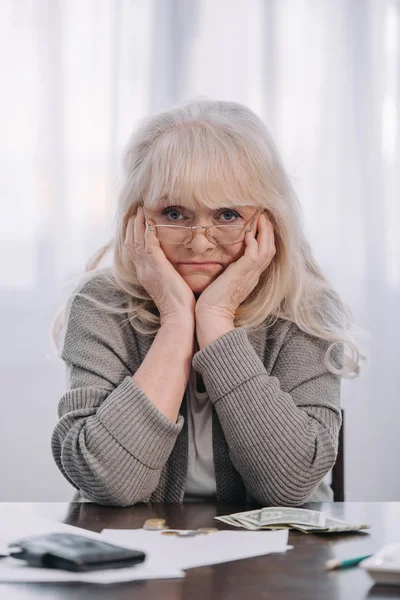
[73, 552]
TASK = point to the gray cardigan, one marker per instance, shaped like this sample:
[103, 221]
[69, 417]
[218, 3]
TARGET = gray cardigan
[276, 413]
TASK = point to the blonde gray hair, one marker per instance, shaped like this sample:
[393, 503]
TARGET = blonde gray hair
[217, 153]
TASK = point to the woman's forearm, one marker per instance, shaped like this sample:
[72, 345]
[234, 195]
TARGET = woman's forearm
[281, 451]
[281, 427]
[164, 373]
[210, 328]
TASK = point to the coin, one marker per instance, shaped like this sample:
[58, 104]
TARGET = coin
[154, 524]
[155, 521]
[188, 533]
[207, 530]
[169, 532]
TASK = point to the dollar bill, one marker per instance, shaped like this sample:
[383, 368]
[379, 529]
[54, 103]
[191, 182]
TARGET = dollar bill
[242, 519]
[273, 517]
[282, 515]
[249, 526]
[299, 516]
[230, 520]
[332, 525]
[289, 518]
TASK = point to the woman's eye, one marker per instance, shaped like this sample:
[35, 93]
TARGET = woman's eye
[231, 212]
[172, 211]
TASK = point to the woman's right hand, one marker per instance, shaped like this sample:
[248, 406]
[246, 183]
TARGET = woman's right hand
[169, 291]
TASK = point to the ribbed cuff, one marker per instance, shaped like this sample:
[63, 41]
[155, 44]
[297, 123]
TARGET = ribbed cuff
[227, 363]
[133, 420]
[81, 399]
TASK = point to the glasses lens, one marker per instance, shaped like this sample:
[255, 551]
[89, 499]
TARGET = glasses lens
[220, 234]
[227, 234]
[173, 235]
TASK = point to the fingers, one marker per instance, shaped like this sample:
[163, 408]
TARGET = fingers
[142, 244]
[134, 237]
[266, 237]
[252, 237]
[150, 237]
[138, 231]
[128, 243]
[135, 232]
[261, 248]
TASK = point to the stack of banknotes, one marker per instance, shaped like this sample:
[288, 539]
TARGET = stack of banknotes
[307, 521]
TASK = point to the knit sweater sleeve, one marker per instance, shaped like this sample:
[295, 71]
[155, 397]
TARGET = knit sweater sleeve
[110, 442]
[282, 429]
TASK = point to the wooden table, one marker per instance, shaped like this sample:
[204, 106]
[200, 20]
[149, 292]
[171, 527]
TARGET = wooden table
[296, 575]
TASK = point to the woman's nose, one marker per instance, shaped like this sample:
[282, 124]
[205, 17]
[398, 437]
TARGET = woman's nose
[200, 242]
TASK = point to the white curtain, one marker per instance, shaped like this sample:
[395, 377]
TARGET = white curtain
[76, 77]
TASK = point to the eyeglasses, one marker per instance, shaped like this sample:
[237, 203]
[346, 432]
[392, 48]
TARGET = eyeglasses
[223, 235]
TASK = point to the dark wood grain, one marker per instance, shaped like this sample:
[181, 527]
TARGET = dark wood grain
[297, 574]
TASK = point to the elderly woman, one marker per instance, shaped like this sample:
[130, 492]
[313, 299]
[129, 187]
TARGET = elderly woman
[207, 360]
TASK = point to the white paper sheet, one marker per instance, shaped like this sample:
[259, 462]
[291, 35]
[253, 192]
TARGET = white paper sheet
[201, 550]
[16, 524]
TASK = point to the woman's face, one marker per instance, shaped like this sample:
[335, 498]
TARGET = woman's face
[201, 249]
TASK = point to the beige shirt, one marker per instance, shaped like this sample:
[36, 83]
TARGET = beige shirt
[200, 479]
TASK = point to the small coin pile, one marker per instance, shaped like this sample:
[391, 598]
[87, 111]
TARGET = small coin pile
[306, 521]
[155, 524]
[160, 525]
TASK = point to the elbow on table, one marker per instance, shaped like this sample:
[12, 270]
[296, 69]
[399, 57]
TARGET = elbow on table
[118, 499]
[291, 491]
[270, 497]
[283, 497]
[114, 501]
[106, 489]
[105, 480]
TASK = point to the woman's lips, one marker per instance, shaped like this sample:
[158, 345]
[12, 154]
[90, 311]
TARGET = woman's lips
[201, 266]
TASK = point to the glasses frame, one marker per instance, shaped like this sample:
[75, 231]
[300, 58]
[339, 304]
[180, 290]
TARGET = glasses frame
[150, 227]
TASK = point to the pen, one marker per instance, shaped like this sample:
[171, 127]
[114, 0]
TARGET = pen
[336, 563]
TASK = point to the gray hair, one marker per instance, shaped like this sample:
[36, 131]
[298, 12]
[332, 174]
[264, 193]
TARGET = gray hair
[216, 153]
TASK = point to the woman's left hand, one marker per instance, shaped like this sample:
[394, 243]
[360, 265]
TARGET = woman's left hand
[224, 295]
